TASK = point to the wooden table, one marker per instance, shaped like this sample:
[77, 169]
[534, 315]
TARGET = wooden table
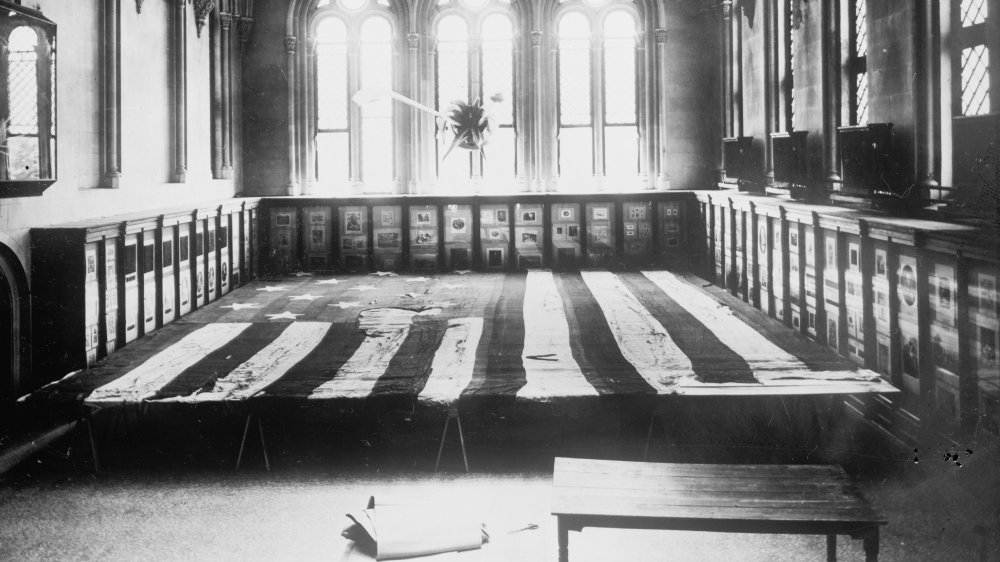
[779, 499]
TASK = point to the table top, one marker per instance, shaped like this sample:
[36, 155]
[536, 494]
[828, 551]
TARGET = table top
[711, 492]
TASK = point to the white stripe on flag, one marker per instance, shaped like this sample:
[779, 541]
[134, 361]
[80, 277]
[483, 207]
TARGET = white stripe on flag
[267, 365]
[454, 360]
[766, 359]
[385, 331]
[548, 360]
[643, 341]
[156, 372]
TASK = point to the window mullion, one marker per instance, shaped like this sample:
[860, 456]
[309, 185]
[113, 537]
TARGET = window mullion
[475, 44]
[597, 102]
[354, 80]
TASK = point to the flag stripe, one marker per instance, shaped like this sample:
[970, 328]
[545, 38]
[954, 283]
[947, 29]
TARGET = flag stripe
[759, 352]
[549, 367]
[504, 373]
[451, 371]
[268, 364]
[407, 373]
[219, 363]
[594, 344]
[385, 332]
[147, 379]
[642, 338]
[712, 360]
[322, 364]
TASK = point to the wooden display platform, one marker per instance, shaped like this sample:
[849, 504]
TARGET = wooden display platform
[539, 336]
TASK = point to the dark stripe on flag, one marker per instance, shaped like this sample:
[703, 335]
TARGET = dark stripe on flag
[713, 361]
[78, 387]
[411, 365]
[322, 363]
[504, 374]
[816, 357]
[594, 346]
[219, 363]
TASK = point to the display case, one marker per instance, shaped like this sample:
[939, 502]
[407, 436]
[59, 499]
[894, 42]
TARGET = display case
[777, 285]
[985, 341]
[854, 303]
[387, 235]
[494, 236]
[673, 237]
[528, 235]
[909, 328]
[458, 237]
[130, 270]
[810, 280]
[424, 238]
[283, 239]
[795, 249]
[186, 285]
[318, 235]
[719, 242]
[881, 311]
[354, 227]
[831, 287]
[637, 232]
[944, 334]
[601, 238]
[566, 240]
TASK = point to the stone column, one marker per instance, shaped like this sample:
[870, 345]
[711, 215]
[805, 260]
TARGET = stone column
[831, 91]
[226, 44]
[111, 173]
[291, 42]
[928, 85]
[663, 108]
[538, 179]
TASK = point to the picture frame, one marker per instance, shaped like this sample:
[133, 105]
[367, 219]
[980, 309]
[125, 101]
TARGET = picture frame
[352, 221]
[600, 213]
[528, 216]
[566, 213]
[637, 213]
[495, 234]
[317, 218]
[529, 237]
[387, 240]
[282, 219]
[388, 217]
[423, 217]
[880, 263]
[494, 257]
[573, 231]
[458, 225]
[501, 215]
[424, 238]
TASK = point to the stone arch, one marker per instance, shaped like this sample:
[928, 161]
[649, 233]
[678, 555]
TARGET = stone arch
[15, 329]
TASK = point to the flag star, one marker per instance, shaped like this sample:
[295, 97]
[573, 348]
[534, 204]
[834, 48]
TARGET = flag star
[364, 287]
[417, 280]
[303, 298]
[302, 274]
[345, 305]
[240, 306]
[328, 282]
[463, 271]
[270, 289]
[386, 274]
[286, 315]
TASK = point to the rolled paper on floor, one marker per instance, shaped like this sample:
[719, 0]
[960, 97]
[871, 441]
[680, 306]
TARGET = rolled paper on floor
[408, 531]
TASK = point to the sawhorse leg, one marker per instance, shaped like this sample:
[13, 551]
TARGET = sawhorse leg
[93, 445]
[243, 442]
[831, 548]
[452, 413]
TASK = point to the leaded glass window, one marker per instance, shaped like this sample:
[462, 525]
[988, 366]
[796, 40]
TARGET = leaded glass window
[475, 60]
[858, 62]
[976, 37]
[575, 119]
[621, 132]
[333, 111]
[354, 53]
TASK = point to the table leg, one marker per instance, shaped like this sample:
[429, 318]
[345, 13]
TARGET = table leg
[563, 539]
[831, 548]
[871, 545]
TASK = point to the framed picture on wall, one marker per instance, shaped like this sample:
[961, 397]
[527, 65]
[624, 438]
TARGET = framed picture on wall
[494, 257]
[388, 217]
[423, 217]
[566, 213]
[352, 221]
[282, 219]
[528, 216]
[317, 218]
[637, 213]
[529, 237]
[495, 234]
[600, 213]
[501, 215]
[573, 231]
[987, 294]
[880, 263]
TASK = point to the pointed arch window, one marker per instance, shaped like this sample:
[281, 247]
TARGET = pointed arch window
[355, 42]
[598, 111]
[474, 59]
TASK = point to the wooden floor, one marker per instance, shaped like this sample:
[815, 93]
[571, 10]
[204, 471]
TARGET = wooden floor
[536, 336]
